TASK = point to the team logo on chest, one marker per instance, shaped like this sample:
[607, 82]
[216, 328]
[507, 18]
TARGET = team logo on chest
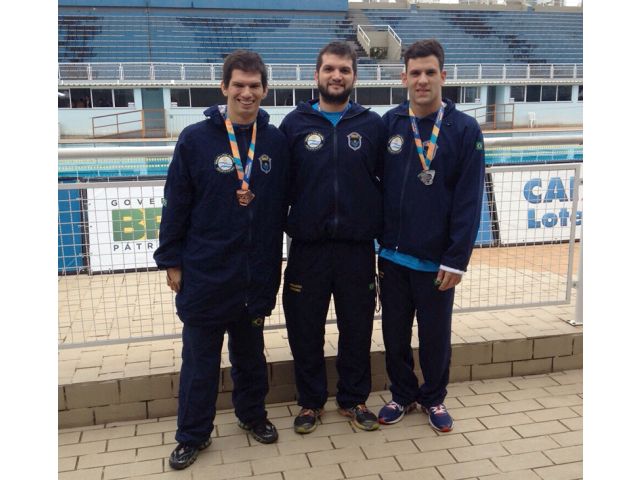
[313, 141]
[355, 140]
[395, 143]
[265, 163]
[224, 163]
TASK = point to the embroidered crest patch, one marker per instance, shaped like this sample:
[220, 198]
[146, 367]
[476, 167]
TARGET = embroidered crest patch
[224, 163]
[313, 141]
[355, 140]
[394, 145]
[265, 163]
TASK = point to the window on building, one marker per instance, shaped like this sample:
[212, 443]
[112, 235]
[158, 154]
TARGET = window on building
[398, 95]
[533, 93]
[64, 99]
[373, 96]
[284, 97]
[80, 98]
[517, 93]
[549, 93]
[579, 93]
[452, 93]
[303, 94]
[470, 94]
[123, 97]
[205, 97]
[102, 98]
[564, 93]
[269, 100]
[180, 97]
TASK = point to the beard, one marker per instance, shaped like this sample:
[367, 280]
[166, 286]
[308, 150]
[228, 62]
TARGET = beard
[334, 98]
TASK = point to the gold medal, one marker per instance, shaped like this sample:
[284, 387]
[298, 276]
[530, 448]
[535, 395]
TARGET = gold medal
[244, 197]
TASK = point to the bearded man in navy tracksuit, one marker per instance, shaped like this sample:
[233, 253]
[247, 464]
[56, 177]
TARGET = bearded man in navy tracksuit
[221, 244]
[336, 212]
[433, 184]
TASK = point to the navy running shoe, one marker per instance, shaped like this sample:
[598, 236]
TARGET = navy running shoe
[393, 412]
[439, 418]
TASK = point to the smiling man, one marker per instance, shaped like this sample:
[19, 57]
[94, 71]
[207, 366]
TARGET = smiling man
[433, 184]
[221, 245]
[336, 212]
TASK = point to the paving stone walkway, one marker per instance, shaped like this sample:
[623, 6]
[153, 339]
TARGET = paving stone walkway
[522, 428]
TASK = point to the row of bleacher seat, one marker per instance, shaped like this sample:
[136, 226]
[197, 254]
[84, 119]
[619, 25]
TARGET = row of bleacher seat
[181, 38]
[205, 37]
[490, 36]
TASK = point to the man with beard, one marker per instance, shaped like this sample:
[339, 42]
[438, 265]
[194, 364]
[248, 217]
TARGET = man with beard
[335, 214]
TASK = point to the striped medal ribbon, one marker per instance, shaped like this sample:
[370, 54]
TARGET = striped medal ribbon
[243, 193]
[427, 175]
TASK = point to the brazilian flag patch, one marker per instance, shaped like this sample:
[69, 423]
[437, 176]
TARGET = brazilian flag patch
[479, 146]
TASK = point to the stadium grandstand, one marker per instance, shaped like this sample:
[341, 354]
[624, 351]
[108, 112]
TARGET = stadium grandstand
[147, 68]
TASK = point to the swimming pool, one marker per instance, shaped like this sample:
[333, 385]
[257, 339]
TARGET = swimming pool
[72, 169]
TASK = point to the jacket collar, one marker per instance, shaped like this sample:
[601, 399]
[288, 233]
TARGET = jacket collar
[214, 115]
[307, 107]
[403, 109]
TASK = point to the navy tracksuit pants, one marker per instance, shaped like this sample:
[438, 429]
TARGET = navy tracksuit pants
[200, 374]
[314, 272]
[404, 293]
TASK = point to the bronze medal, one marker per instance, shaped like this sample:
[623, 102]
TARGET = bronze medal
[244, 197]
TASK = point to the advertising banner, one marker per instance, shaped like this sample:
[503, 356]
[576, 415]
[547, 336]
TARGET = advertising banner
[123, 224]
[536, 207]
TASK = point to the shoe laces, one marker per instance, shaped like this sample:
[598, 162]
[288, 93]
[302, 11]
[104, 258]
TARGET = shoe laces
[438, 409]
[361, 408]
[308, 412]
[394, 405]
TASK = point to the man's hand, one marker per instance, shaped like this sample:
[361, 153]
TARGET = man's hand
[447, 280]
[174, 278]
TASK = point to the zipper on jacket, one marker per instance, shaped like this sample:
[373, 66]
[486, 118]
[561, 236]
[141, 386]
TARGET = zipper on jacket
[247, 267]
[335, 178]
[404, 186]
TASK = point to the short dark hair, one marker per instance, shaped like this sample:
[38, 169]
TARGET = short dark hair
[341, 49]
[246, 61]
[425, 48]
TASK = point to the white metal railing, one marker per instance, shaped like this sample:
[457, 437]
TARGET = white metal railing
[365, 38]
[168, 73]
[109, 290]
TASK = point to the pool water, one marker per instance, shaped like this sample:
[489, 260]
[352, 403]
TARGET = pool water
[157, 167]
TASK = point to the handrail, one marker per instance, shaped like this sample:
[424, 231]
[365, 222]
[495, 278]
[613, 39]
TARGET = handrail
[190, 72]
[366, 38]
[167, 150]
[394, 34]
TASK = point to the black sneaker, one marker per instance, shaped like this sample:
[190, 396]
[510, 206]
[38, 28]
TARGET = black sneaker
[307, 420]
[184, 455]
[263, 430]
[361, 417]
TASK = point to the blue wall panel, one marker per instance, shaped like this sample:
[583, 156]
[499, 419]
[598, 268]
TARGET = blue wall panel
[70, 258]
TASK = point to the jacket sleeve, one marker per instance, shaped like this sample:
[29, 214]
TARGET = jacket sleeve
[176, 208]
[467, 201]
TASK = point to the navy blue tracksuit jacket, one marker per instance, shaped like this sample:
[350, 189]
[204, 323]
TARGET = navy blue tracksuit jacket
[230, 255]
[335, 188]
[438, 222]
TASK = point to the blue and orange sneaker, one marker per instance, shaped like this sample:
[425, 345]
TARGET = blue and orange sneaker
[439, 418]
[393, 412]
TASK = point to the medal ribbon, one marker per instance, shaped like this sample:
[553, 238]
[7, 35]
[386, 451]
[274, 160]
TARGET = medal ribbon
[431, 151]
[243, 175]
